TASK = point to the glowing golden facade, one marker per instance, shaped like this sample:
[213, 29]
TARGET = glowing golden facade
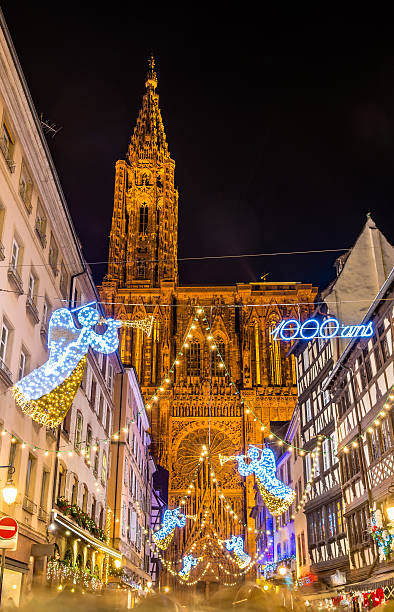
[142, 280]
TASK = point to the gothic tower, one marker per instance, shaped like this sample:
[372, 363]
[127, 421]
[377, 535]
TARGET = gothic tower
[191, 398]
[143, 239]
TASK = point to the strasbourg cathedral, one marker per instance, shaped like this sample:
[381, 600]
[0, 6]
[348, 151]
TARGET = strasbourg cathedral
[196, 403]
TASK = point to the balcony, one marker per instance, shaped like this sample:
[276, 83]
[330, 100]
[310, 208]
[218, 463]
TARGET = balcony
[31, 309]
[29, 505]
[43, 515]
[15, 279]
[5, 149]
[2, 252]
[5, 374]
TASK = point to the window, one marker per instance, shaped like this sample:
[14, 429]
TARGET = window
[143, 220]
[85, 499]
[7, 145]
[29, 476]
[41, 224]
[63, 281]
[14, 261]
[333, 447]
[125, 471]
[45, 314]
[375, 444]
[386, 435]
[308, 466]
[326, 454]
[101, 407]
[218, 368]
[303, 548]
[5, 332]
[383, 343]
[308, 410]
[274, 356]
[326, 397]
[124, 518]
[25, 187]
[104, 469]
[193, 359]
[88, 447]
[96, 457]
[53, 254]
[110, 380]
[108, 421]
[378, 359]
[305, 359]
[22, 365]
[61, 483]
[44, 489]
[367, 362]
[93, 389]
[74, 491]
[78, 431]
[30, 290]
[93, 510]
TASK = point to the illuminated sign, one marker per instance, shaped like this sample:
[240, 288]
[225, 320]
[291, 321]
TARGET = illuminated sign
[291, 329]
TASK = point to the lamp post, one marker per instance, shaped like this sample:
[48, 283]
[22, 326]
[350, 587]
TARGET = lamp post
[9, 491]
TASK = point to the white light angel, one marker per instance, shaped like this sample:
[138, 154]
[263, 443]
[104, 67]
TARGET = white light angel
[46, 394]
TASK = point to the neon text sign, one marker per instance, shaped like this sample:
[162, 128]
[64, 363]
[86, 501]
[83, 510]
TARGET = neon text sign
[291, 329]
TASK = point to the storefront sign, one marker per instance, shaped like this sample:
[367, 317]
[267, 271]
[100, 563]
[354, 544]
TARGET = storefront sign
[291, 329]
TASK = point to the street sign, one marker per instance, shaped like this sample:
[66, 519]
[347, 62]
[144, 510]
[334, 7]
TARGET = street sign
[8, 533]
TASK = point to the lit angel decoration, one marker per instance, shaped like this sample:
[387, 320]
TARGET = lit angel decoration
[276, 494]
[46, 394]
[236, 544]
[188, 563]
[171, 520]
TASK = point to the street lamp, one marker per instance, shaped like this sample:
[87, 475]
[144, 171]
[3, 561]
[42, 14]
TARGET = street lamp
[9, 491]
[282, 571]
[118, 563]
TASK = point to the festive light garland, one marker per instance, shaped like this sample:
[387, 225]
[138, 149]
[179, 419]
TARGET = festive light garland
[60, 571]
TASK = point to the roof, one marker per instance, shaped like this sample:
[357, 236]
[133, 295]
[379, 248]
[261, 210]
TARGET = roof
[371, 311]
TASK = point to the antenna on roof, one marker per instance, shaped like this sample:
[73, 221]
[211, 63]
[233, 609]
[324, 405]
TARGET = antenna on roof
[49, 128]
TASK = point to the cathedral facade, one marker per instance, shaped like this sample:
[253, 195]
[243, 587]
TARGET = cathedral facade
[194, 401]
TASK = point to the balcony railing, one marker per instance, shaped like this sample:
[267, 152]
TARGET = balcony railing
[2, 251]
[43, 515]
[29, 505]
[31, 309]
[5, 149]
[15, 279]
[5, 373]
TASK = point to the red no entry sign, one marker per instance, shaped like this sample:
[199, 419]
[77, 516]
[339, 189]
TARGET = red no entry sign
[8, 528]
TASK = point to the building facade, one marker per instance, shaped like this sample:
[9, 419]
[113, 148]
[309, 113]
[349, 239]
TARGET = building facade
[42, 269]
[362, 388]
[193, 395]
[359, 274]
[130, 484]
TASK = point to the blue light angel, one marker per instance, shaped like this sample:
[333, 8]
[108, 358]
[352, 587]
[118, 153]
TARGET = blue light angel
[188, 563]
[236, 544]
[276, 494]
[171, 520]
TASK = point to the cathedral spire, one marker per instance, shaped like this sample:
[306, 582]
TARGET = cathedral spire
[151, 77]
[149, 140]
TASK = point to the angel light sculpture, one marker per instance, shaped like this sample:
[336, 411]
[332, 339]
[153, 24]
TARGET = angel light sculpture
[46, 394]
[171, 520]
[236, 544]
[276, 495]
[188, 563]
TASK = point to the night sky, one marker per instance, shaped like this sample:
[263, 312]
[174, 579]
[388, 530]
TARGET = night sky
[282, 134]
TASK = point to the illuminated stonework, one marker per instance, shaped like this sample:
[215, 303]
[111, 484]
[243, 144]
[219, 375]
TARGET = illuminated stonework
[142, 280]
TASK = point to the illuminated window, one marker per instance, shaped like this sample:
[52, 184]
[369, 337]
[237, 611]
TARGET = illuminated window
[88, 446]
[194, 359]
[274, 356]
[143, 220]
[96, 457]
[104, 469]
[78, 431]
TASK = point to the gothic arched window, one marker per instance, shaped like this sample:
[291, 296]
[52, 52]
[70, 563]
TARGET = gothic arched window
[218, 357]
[275, 362]
[193, 359]
[143, 220]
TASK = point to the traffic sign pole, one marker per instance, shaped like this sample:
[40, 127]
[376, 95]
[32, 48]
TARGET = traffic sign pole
[2, 571]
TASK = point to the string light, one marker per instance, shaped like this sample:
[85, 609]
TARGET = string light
[236, 544]
[188, 563]
[171, 520]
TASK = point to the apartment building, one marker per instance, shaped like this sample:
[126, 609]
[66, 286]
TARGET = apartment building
[362, 387]
[130, 486]
[42, 269]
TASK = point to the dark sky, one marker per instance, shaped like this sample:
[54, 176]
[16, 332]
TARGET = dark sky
[282, 133]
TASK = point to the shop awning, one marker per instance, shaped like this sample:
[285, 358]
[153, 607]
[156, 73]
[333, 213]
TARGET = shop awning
[65, 522]
[372, 583]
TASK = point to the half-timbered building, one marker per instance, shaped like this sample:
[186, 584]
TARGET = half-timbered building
[361, 385]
